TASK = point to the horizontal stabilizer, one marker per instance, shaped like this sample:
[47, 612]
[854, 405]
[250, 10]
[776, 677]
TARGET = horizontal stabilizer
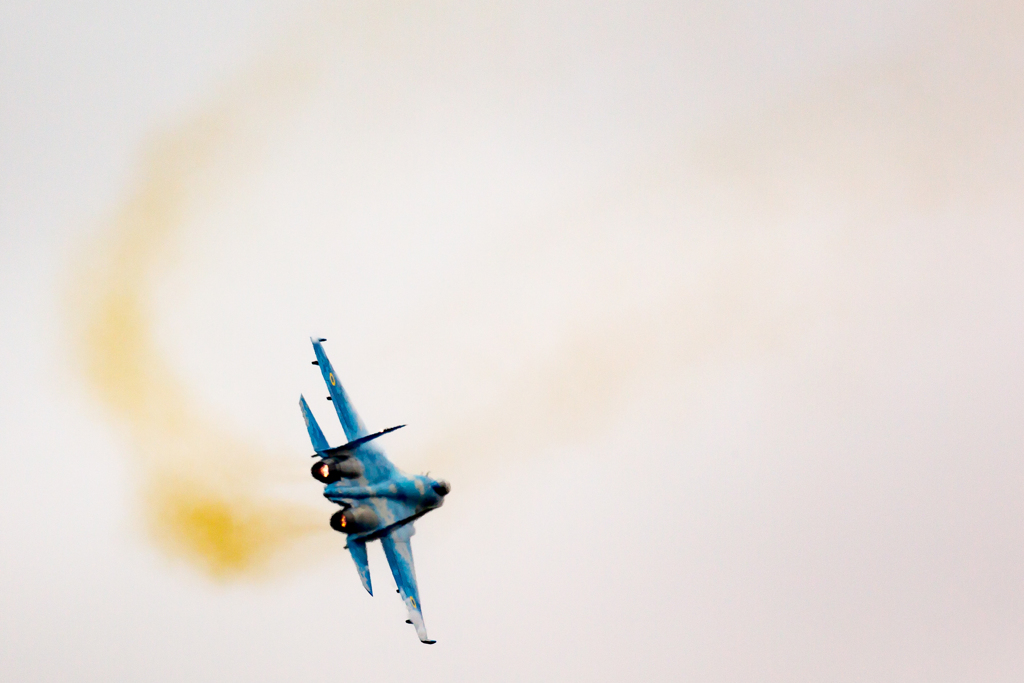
[352, 445]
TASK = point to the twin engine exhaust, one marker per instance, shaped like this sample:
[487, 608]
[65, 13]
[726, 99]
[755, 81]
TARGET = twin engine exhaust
[338, 463]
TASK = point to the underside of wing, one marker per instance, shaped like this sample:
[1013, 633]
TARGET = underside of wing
[399, 553]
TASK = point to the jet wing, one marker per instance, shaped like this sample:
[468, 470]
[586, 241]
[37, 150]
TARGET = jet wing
[375, 463]
[350, 422]
[399, 553]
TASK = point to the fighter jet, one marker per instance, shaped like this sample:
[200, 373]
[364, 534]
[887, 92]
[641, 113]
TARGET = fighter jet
[378, 501]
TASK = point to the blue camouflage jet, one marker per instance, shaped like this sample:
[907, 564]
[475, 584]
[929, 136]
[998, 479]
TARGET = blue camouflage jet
[378, 501]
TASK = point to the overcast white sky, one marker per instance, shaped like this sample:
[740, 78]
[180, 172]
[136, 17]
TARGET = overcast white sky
[711, 313]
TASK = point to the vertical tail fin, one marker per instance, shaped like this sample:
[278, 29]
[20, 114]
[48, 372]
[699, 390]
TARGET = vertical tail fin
[315, 435]
[358, 551]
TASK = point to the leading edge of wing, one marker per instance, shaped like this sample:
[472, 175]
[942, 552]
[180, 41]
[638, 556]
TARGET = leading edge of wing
[398, 550]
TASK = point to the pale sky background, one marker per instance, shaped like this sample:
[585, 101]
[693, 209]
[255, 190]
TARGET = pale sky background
[711, 313]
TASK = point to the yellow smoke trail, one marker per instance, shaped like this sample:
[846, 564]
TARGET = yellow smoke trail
[208, 494]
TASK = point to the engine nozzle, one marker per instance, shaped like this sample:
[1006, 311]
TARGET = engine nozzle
[330, 470]
[355, 520]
